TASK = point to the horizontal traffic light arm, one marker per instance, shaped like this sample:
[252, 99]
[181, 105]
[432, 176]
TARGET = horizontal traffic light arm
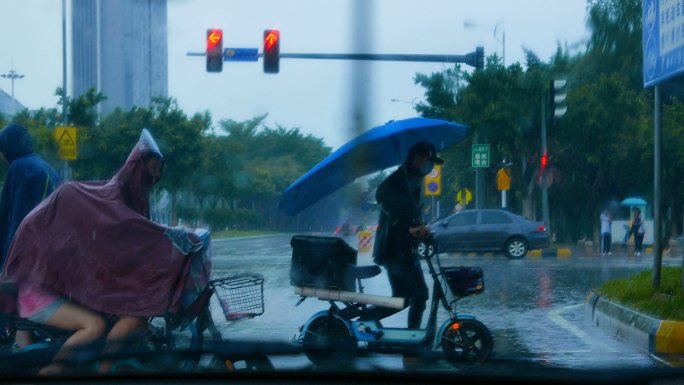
[469, 59]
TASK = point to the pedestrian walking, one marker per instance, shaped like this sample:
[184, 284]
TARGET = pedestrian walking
[639, 239]
[637, 223]
[606, 233]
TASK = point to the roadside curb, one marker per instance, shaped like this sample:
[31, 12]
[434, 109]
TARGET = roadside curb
[213, 240]
[551, 253]
[651, 334]
[545, 253]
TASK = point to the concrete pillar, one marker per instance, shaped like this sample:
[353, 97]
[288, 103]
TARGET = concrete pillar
[588, 249]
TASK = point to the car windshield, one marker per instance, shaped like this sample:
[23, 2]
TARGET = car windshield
[186, 185]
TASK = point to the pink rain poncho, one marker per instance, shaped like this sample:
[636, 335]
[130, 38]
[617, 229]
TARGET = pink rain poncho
[93, 242]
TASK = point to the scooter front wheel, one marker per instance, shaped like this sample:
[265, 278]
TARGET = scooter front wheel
[467, 342]
[328, 343]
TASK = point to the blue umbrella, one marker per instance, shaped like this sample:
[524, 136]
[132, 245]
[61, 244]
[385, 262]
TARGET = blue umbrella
[375, 150]
[634, 202]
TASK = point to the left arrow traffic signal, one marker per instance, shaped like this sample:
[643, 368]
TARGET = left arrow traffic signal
[214, 50]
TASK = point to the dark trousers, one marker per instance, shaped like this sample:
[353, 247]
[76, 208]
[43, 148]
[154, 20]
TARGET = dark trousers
[407, 281]
[606, 240]
[638, 241]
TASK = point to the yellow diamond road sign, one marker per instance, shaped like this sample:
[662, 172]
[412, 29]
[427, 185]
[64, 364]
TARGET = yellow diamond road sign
[66, 137]
[464, 198]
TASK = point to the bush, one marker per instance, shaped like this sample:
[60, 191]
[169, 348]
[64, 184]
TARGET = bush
[637, 292]
[223, 218]
[187, 214]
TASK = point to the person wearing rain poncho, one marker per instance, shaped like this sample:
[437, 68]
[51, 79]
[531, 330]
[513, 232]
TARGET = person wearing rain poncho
[91, 249]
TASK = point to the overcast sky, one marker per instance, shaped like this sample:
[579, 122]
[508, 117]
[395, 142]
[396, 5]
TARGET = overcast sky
[311, 94]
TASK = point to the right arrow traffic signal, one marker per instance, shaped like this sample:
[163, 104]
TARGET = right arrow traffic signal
[271, 51]
[558, 96]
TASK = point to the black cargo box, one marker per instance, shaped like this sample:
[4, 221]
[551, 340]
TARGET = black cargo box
[464, 281]
[321, 262]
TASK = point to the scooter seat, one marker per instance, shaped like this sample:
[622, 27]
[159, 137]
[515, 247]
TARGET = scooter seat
[362, 272]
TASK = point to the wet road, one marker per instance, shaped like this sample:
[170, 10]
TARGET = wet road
[534, 307]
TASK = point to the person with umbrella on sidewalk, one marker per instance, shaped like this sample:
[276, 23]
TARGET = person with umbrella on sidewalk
[400, 224]
[606, 233]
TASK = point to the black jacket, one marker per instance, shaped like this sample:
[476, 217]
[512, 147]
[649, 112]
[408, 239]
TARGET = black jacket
[400, 199]
[29, 180]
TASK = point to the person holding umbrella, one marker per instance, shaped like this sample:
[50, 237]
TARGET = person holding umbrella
[606, 234]
[400, 224]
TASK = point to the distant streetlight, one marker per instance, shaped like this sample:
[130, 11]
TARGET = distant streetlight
[12, 75]
[412, 102]
[470, 24]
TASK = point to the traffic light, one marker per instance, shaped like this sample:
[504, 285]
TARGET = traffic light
[271, 51]
[558, 95]
[479, 58]
[544, 160]
[214, 50]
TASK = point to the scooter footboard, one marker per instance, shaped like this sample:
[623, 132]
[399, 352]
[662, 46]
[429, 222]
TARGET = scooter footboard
[347, 296]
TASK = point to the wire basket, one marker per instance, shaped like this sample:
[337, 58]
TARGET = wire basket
[241, 296]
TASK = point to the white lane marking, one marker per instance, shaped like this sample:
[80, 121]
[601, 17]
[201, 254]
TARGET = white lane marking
[555, 316]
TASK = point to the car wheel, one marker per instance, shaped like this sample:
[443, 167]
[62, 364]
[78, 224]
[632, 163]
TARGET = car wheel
[515, 248]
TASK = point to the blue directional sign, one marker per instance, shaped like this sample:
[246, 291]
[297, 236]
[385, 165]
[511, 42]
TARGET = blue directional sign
[241, 54]
[663, 22]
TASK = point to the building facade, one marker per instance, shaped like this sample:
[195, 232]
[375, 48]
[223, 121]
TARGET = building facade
[120, 48]
[6, 107]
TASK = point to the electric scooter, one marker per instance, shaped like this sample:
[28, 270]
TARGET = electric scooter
[332, 337]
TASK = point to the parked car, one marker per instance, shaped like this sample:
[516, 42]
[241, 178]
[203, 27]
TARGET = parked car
[489, 231]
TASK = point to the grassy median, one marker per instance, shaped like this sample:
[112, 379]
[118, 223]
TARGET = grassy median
[637, 293]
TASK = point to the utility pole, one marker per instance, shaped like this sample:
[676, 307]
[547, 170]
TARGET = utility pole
[657, 218]
[479, 173]
[64, 65]
[12, 75]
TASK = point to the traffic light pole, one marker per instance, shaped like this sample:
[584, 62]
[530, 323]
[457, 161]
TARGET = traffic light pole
[544, 187]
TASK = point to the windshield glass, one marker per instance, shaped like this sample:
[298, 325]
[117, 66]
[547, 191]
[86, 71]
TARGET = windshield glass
[160, 156]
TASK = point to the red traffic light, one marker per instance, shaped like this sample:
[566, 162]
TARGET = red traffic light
[271, 51]
[214, 50]
[214, 37]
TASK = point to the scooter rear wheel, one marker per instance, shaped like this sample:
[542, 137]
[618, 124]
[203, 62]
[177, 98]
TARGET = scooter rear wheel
[467, 342]
[327, 343]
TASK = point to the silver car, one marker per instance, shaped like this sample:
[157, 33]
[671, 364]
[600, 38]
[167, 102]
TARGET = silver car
[489, 231]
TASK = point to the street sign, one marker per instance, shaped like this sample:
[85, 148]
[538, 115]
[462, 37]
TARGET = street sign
[433, 181]
[504, 180]
[66, 138]
[663, 42]
[480, 155]
[241, 54]
[467, 196]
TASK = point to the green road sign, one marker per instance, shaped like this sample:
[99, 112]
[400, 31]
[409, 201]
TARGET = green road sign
[480, 155]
